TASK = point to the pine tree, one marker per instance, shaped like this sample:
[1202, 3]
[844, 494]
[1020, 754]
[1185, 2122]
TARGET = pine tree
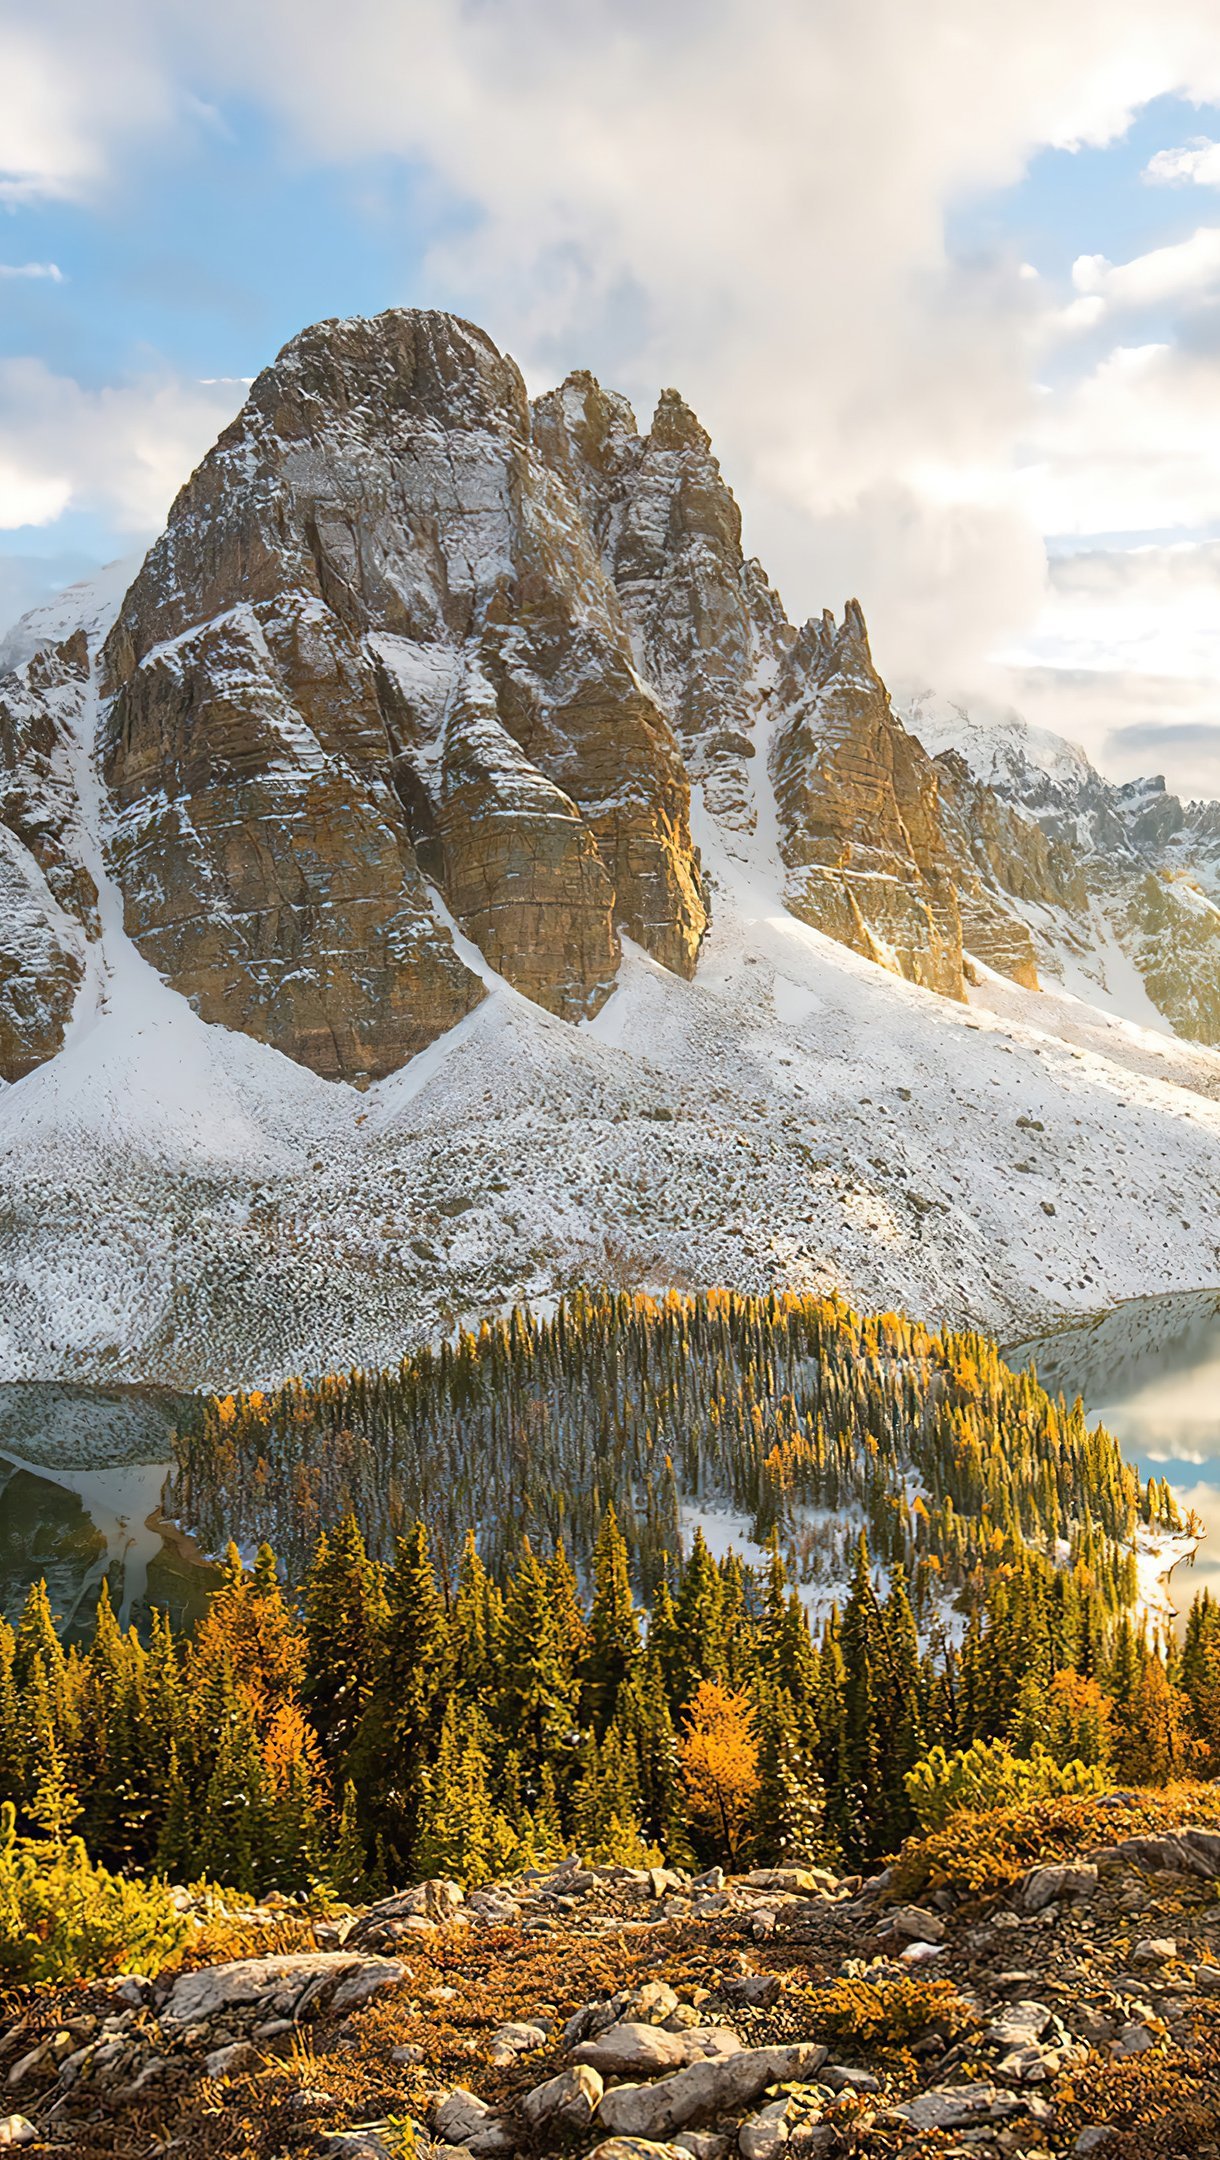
[455, 1834]
[789, 1827]
[401, 1723]
[55, 1806]
[347, 1867]
[860, 1799]
[345, 1620]
[614, 1628]
[698, 1623]
[538, 1697]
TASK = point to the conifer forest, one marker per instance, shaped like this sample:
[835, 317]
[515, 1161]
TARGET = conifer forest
[472, 1638]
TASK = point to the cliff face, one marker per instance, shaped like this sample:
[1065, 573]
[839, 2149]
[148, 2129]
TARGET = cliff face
[375, 651]
[47, 897]
[419, 677]
[859, 814]
[1108, 879]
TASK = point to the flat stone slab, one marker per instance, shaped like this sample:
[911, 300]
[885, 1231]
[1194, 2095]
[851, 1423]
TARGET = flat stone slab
[346, 1978]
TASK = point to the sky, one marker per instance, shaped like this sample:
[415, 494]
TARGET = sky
[942, 281]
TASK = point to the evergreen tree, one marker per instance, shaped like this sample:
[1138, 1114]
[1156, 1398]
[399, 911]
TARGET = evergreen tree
[538, 1698]
[614, 1628]
[345, 1627]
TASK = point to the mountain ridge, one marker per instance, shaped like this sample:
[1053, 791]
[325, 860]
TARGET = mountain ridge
[190, 1201]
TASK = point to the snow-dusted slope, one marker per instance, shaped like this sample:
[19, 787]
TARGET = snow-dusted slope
[1130, 917]
[90, 605]
[182, 1203]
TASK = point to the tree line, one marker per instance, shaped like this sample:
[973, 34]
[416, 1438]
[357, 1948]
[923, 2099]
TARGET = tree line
[397, 1717]
[802, 1415]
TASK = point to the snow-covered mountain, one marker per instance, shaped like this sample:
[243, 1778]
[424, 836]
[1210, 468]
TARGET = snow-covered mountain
[1130, 914]
[448, 875]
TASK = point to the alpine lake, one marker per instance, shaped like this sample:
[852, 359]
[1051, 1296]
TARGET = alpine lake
[82, 1468]
[81, 1474]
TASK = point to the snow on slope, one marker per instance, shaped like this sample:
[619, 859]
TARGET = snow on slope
[180, 1203]
[90, 605]
[998, 745]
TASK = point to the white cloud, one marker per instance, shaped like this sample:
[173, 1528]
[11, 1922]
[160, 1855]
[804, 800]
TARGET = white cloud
[1194, 164]
[1131, 446]
[748, 202]
[122, 450]
[33, 270]
[1182, 272]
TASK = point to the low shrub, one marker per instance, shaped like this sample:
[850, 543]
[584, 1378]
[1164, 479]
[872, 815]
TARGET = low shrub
[884, 2017]
[987, 1851]
[64, 1918]
[989, 1775]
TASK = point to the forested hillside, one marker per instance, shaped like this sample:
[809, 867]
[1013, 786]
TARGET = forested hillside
[811, 1420]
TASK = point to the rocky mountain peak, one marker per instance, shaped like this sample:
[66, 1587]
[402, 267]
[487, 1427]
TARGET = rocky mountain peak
[417, 668]
[674, 426]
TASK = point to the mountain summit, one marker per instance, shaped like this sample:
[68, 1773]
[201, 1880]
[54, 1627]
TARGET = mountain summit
[413, 659]
[446, 875]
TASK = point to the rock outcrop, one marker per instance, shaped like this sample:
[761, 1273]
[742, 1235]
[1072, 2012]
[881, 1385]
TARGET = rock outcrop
[48, 900]
[857, 797]
[705, 626]
[1058, 866]
[375, 649]
[1068, 2007]
[417, 683]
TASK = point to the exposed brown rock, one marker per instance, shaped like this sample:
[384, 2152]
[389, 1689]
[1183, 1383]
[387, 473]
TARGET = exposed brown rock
[47, 898]
[705, 626]
[375, 633]
[859, 813]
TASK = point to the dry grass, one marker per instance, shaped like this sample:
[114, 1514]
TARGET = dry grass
[1162, 2105]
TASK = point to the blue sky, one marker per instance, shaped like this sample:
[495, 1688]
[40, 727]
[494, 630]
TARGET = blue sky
[956, 344]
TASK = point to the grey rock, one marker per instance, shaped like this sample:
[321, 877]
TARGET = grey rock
[295, 1980]
[460, 2116]
[1049, 1885]
[702, 2144]
[1133, 2039]
[798, 1882]
[1093, 2135]
[571, 2099]
[954, 2107]
[635, 2148]
[705, 2089]
[493, 2143]
[631, 2049]
[708, 2043]
[17, 2130]
[812, 2141]
[509, 2041]
[651, 2004]
[758, 1990]
[762, 2137]
[841, 2078]
[227, 2061]
[426, 1905]
[1155, 1950]
[915, 1925]
[1020, 2023]
[1207, 1979]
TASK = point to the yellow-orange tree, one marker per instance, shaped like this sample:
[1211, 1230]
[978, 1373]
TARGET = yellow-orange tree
[719, 1755]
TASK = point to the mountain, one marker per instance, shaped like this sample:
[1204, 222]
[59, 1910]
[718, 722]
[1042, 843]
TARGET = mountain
[1118, 884]
[446, 875]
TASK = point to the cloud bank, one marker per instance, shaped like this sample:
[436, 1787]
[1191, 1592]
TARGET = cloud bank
[751, 203]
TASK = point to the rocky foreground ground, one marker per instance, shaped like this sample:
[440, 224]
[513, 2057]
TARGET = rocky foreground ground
[643, 2015]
